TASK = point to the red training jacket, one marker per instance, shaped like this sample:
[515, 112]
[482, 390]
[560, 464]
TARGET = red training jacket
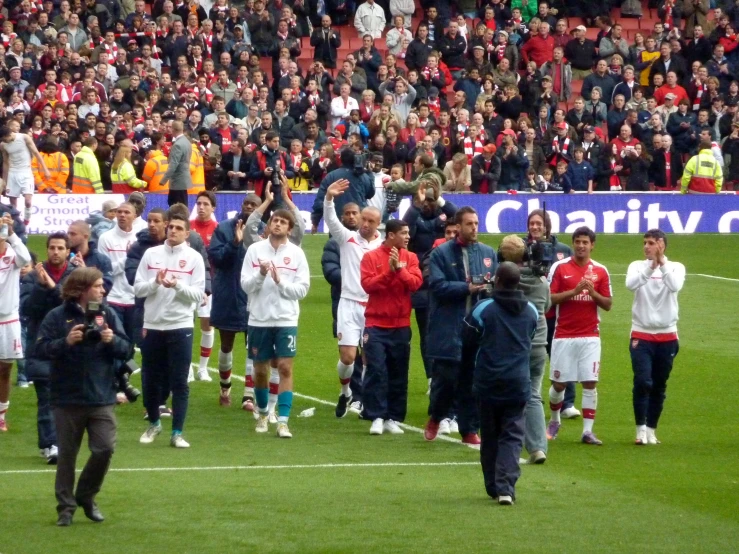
[389, 304]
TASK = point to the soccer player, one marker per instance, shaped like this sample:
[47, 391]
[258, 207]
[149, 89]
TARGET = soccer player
[17, 149]
[13, 256]
[172, 279]
[276, 277]
[229, 306]
[353, 245]
[205, 225]
[389, 274]
[115, 244]
[579, 286]
[655, 282]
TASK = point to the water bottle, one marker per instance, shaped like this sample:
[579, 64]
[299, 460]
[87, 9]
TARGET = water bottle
[4, 231]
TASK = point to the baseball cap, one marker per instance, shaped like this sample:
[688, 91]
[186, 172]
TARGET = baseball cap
[108, 206]
[546, 78]
[732, 102]
[581, 28]
[561, 125]
[589, 129]
[15, 67]
[489, 148]
[433, 91]
[237, 121]
[137, 197]
[478, 47]
[670, 96]
[510, 132]
[132, 41]
[137, 60]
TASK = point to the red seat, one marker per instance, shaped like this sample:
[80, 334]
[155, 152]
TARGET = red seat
[305, 64]
[628, 23]
[647, 23]
[355, 43]
[576, 87]
[305, 42]
[591, 33]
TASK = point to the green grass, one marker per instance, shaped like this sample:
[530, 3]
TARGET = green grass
[679, 496]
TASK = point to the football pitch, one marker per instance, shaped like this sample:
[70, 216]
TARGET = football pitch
[335, 488]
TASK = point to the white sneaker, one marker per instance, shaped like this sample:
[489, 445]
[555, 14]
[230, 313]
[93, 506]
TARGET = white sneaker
[651, 436]
[283, 431]
[50, 454]
[272, 418]
[262, 424]
[641, 436]
[444, 426]
[392, 427]
[150, 434]
[570, 413]
[505, 500]
[377, 426]
[355, 407]
[190, 375]
[178, 442]
[204, 375]
[453, 426]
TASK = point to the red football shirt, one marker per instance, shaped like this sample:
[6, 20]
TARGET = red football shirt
[204, 228]
[578, 316]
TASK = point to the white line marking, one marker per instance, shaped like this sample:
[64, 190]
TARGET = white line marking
[255, 467]
[624, 275]
[402, 425]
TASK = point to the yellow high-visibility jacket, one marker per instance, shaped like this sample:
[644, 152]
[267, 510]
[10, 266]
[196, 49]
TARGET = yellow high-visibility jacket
[702, 174]
[86, 179]
[124, 179]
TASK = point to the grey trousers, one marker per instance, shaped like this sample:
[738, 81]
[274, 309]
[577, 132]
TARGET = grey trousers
[71, 424]
[535, 430]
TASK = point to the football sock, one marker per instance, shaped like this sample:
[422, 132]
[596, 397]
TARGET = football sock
[4, 409]
[206, 347]
[284, 404]
[27, 214]
[345, 377]
[249, 379]
[589, 403]
[154, 423]
[274, 386]
[225, 362]
[262, 396]
[555, 402]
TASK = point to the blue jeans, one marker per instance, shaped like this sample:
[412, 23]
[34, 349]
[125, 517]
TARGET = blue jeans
[166, 357]
[652, 364]
[385, 384]
[535, 425]
[44, 418]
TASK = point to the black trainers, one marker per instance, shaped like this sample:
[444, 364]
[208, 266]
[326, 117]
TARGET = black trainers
[342, 406]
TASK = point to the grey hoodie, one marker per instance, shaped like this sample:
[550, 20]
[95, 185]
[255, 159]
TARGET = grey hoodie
[536, 291]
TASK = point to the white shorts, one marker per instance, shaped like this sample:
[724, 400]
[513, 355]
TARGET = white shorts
[349, 322]
[20, 183]
[575, 360]
[10, 341]
[204, 311]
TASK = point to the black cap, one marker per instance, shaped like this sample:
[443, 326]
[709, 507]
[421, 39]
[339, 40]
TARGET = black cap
[732, 101]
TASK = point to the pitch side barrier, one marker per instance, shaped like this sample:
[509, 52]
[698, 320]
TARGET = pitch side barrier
[617, 212]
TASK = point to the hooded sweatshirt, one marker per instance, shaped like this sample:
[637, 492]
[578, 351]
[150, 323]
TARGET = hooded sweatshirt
[506, 325]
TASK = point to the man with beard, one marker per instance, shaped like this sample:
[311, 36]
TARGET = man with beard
[85, 252]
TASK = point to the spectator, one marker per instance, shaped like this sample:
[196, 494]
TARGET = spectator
[601, 79]
[703, 174]
[539, 48]
[370, 19]
[667, 62]
[452, 47]
[326, 42]
[581, 53]
[485, 170]
[560, 70]
[513, 165]
[580, 173]
[395, 36]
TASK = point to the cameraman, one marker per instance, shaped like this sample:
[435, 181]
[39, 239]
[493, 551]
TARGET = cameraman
[536, 290]
[459, 271]
[84, 348]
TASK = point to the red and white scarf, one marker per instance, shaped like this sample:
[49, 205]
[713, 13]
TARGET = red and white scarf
[434, 106]
[8, 39]
[313, 99]
[668, 14]
[697, 100]
[472, 149]
[205, 92]
[112, 52]
[565, 146]
[297, 160]
[208, 43]
[613, 180]
[500, 51]
[429, 73]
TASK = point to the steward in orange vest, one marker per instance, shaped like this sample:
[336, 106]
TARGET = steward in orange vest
[155, 168]
[58, 165]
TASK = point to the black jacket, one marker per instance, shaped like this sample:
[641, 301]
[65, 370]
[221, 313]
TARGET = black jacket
[35, 303]
[452, 51]
[492, 176]
[227, 163]
[326, 51]
[506, 325]
[331, 266]
[417, 54]
[83, 374]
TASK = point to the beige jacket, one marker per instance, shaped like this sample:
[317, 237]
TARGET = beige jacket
[457, 182]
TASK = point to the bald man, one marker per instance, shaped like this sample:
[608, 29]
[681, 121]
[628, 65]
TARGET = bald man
[85, 252]
[506, 324]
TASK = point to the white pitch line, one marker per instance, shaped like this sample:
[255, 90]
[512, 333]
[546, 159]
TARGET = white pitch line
[255, 467]
[402, 425]
[705, 275]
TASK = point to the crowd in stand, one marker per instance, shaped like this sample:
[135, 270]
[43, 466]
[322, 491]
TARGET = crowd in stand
[500, 95]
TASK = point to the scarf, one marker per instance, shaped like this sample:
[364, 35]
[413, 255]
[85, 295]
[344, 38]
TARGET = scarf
[565, 145]
[198, 63]
[435, 106]
[472, 149]
[668, 14]
[429, 74]
[208, 42]
[697, 101]
[500, 52]
[613, 180]
[112, 52]
[7, 39]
